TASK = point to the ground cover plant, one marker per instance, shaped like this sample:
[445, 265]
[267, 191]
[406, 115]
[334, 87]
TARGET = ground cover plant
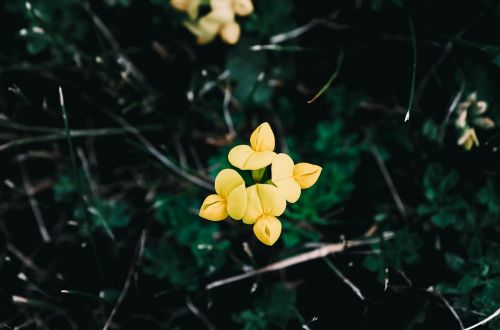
[351, 148]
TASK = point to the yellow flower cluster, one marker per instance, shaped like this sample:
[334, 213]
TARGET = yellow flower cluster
[470, 115]
[221, 19]
[261, 203]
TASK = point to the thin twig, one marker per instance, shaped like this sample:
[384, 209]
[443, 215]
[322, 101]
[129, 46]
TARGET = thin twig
[282, 37]
[347, 281]
[300, 258]
[453, 104]
[203, 318]
[86, 170]
[77, 181]
[74, 134]
[227, 114]
[448, 305]
[158, 155]
[389, 181]
[133, 266]
[334, 75]
[25, 260]
[414, 67]
[486, 320]
[122, 59]
[34, 204]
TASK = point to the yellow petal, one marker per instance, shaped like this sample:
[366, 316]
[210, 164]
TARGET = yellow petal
[221, 4]
[244, 158]
[221, 12]
[243, 7]
[230, 33]
[181, 5]
[213, 208]
[267, 229]
[272, 200]
[469, 139]
[237, 202]
[306, 174]
[282, 177]
[192, 9]
[289, 188]
[282, 167]
[262, 138]
[254, 206]
[226, 181]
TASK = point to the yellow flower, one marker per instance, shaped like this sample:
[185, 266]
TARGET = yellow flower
[220, 20]
[231, 197]
[265, 203]
[290, 178]
[258, 154]
[468, 139]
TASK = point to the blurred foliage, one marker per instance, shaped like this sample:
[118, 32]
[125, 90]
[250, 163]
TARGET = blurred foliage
[153, 116]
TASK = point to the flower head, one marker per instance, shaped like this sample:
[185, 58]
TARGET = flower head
[470, 115]
[231, 197]
[220, 20]
[260, 204]
[264, 203]
[258, 154]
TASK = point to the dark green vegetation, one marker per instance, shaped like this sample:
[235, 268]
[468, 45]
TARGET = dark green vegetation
[98, 220]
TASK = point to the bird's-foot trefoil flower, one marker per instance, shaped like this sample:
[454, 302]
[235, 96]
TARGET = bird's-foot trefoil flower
[220, 20]
[265, 203]
[259, 154]
[469, 116]
[261, 203]
[231, 198]
[290, 178]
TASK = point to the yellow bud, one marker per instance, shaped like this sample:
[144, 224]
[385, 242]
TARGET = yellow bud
[262, 138]
[267, 229]
[213, 208]
[306, 174]
[468, 139]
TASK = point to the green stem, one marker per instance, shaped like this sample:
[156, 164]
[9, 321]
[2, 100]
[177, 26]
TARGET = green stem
[258, 174]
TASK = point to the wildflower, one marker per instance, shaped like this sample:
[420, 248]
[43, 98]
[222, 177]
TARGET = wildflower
[470, 115]
[220, 20]
[290, 178]
[231, 197]
[259, 154]
[468, 139]
[264, 203]
[260, 204]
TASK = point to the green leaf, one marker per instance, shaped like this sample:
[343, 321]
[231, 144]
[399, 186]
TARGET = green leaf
[455, 262]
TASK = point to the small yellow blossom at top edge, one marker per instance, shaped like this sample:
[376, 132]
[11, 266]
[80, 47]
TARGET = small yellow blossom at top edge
[290, 178]
[220, 20]
[230, 198]
[265, 203]
[259, 154]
